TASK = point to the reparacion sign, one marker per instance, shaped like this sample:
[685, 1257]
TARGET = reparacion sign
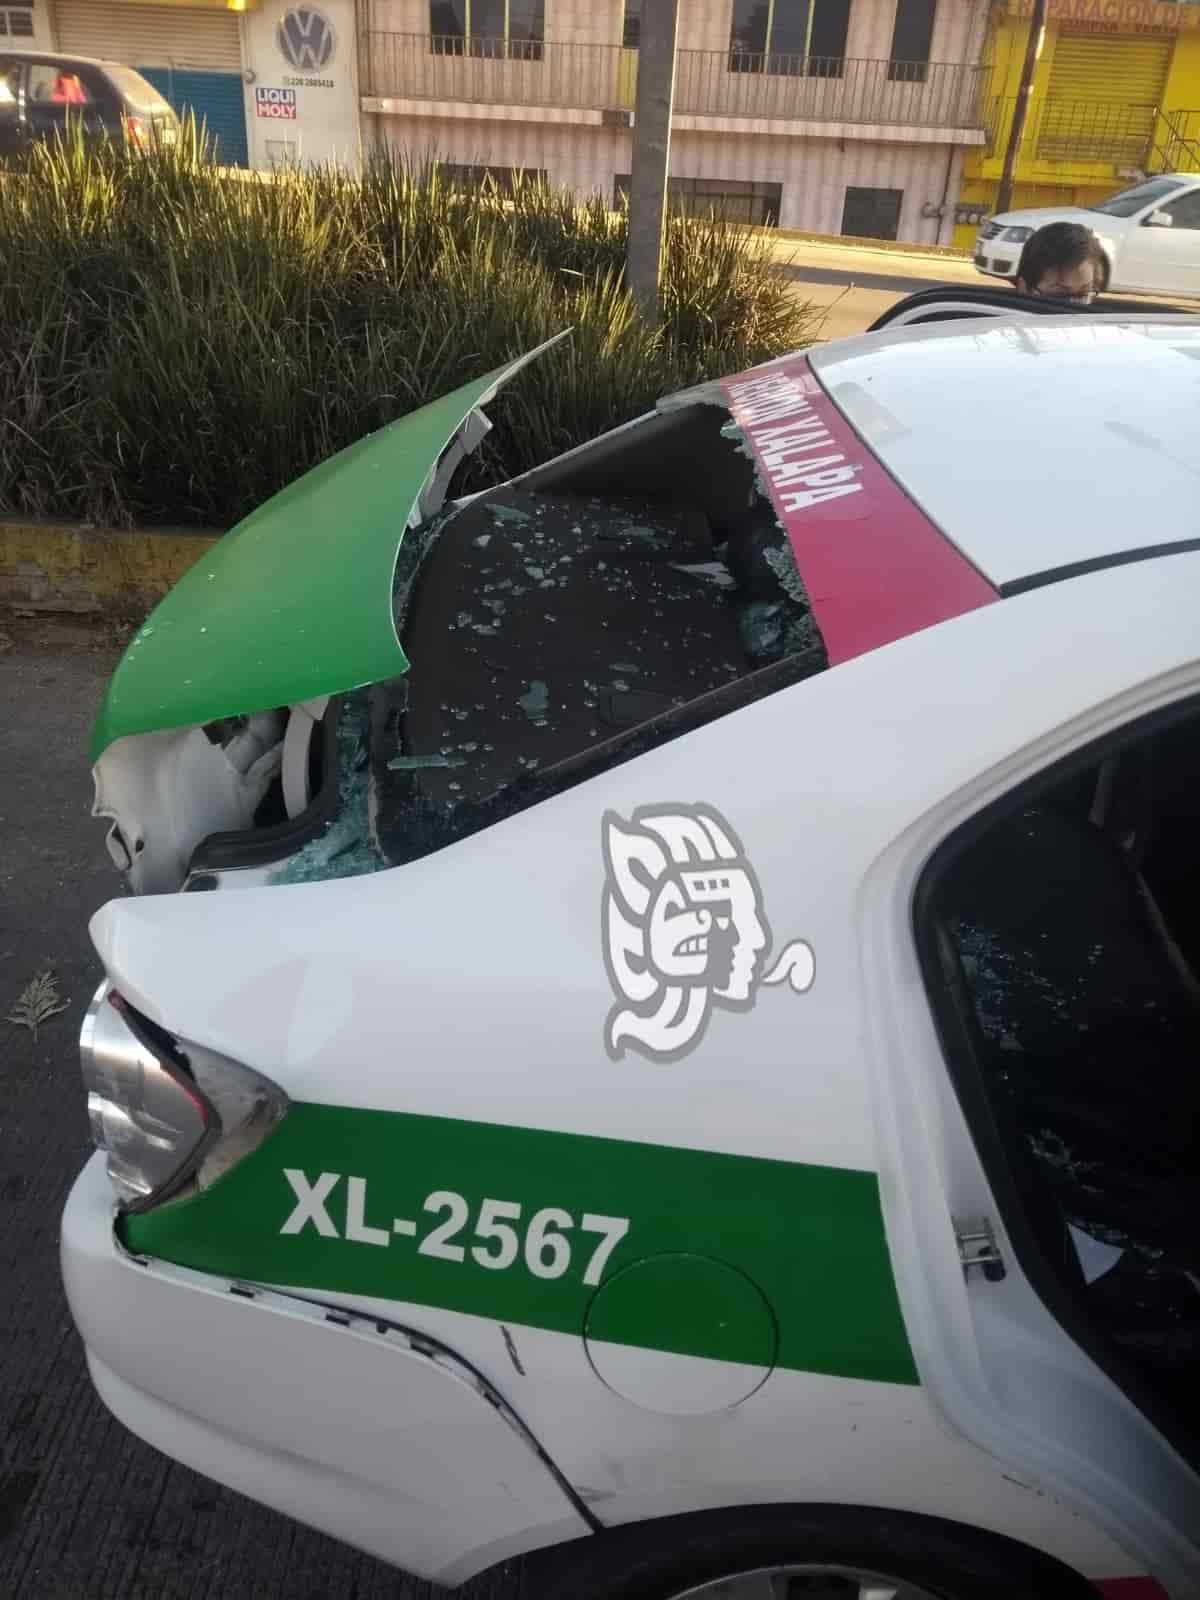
[277, 103]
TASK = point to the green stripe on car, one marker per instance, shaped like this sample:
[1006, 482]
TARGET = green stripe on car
[523, 1225]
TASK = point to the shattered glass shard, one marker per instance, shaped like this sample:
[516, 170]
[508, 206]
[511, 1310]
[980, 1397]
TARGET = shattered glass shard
[535, 701]
[417, 763]
[345, 849]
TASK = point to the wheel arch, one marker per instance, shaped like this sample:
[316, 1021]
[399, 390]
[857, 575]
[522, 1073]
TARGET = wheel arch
[634, 1561]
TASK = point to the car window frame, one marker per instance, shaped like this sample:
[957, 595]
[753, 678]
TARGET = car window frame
[1190, 195]
[14, 107]
[1138, 213]
[63, 67]
[953, 1026]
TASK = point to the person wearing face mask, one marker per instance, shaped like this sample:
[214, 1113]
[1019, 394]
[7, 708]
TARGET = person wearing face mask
[1062, 261]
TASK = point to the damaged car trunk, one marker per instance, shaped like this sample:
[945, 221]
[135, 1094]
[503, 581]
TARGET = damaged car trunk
[535, 634]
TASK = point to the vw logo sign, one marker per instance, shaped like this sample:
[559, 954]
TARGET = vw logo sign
[306, 38]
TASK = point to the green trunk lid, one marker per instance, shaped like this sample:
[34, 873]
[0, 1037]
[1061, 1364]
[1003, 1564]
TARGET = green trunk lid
[296, 601]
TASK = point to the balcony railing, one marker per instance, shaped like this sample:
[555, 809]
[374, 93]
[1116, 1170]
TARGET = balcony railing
[480, 71]
[1177, 147]
[932, 94]
[1078, 130]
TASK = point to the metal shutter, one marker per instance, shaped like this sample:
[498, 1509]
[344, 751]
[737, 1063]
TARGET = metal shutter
[1102, 97]
[215, 99]
[150, 36]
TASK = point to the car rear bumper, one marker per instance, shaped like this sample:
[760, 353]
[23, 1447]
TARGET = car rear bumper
[340, 1422]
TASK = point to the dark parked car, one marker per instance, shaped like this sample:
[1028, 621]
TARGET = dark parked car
[40, 92]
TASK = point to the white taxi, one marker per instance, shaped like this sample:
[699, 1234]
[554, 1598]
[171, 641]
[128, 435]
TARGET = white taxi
[656, 1028]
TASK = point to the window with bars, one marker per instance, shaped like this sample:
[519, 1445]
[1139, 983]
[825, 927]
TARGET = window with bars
[872, 213]
[792, 38]
[504, 30]
[472, 177]
[15, 24]
[730, 199]
[912, 36]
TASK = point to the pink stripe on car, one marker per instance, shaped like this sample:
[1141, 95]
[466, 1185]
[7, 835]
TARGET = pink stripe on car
[875, 567]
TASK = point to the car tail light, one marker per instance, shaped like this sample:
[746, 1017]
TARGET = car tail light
[169, 1115]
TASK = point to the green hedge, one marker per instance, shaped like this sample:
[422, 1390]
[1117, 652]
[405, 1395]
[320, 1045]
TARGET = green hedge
[180, 341]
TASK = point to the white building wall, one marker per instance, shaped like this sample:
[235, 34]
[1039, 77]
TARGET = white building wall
[958, 29]
[706, 24]
[869, 35]
[582, 22]
[43, 30]
[398, 16]
[583, 159]
[813, 173]
[327, 116]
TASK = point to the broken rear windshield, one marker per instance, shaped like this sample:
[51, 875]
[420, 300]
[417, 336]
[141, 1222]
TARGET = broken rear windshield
[560, 625]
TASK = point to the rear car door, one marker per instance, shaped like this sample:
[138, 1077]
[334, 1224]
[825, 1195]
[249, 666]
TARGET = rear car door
[1045, 1077]
[62, 94]
[1166, 259]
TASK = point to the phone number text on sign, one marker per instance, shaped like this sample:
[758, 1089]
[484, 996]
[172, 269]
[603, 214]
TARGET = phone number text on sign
[544, 1243]
[278, 103]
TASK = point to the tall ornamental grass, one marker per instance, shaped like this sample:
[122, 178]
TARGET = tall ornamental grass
[181, 340]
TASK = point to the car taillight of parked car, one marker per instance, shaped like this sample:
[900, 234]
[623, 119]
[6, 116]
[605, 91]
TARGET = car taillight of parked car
[139, 131]
[168, 1115]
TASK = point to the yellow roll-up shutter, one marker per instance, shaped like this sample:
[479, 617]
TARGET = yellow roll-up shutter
[150, 36]
[1101, 98]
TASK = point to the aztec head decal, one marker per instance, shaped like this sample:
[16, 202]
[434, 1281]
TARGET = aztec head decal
[684, 929]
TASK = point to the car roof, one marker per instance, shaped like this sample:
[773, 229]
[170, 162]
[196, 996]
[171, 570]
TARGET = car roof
[58, 58]
[947, 302]
[1040, 447]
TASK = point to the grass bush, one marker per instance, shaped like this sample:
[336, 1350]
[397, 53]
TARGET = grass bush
[181, 341]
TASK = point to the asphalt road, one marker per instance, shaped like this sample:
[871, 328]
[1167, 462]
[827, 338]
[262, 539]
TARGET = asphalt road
[849, 285]
[87, 1510]
[852, 286]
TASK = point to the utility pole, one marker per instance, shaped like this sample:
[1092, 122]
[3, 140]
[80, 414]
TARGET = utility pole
[1033, 49]
[651, 150]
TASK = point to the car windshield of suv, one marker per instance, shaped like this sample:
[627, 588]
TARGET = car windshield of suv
[137, 94]
[1130, 201]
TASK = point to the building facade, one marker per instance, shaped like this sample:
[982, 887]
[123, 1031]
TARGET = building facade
[1116, 95]
[830, 116]
[833, 116]
[269, 81]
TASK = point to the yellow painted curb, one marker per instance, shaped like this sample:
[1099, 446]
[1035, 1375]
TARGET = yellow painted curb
[54, 566]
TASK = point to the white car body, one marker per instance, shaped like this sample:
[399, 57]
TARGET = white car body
[1155, 249]
[459, 1038]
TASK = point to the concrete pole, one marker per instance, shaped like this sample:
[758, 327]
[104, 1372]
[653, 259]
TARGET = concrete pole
[651, 150]
[1033, 49]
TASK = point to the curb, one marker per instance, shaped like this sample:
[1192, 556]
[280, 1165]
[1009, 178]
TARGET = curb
[888, 247]
[121, 572]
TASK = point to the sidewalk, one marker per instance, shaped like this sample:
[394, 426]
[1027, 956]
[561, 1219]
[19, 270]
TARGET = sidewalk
[865, 260]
